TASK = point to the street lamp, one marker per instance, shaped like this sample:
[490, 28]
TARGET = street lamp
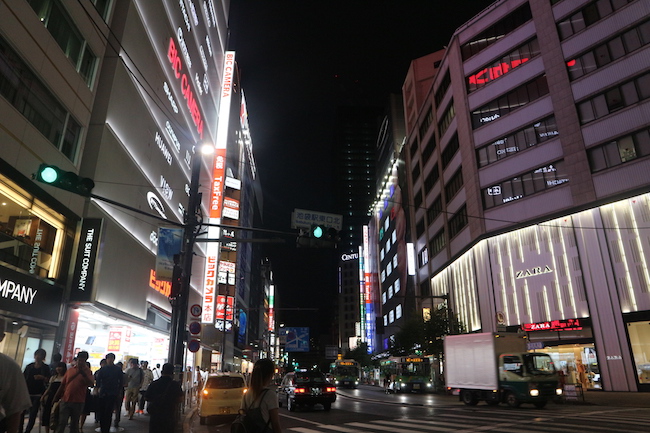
[191, 225]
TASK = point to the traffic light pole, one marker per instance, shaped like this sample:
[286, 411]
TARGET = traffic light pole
[181, 303]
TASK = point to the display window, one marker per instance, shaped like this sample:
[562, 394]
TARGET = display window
[639, 333]
[577, 364]
[99, 333]
[31, 234]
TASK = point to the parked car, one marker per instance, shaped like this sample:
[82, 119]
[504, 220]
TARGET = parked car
[306, 388]
[221, 395]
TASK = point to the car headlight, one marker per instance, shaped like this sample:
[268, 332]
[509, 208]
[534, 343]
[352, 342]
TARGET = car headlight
[558, 391]
[356, 382]
[534, 392]
[429, 385]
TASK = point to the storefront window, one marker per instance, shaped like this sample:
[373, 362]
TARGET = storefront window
[640, 341]
[577, 363]
[31, 234]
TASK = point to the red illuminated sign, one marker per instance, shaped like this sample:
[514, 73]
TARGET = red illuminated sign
[114, 341]
[163, 287]
[554, 325]
[222, 308]
[494, 72]
[186, 89]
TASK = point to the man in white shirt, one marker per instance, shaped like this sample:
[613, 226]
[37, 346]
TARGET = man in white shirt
[14, 397]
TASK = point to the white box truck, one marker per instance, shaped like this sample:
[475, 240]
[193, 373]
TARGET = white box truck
[497, 368]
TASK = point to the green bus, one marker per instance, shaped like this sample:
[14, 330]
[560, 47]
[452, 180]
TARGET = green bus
[345, 373]
[408, 373]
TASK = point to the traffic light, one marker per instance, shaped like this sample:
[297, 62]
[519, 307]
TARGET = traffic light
[317, 231]
[67, 180]
[318, 236]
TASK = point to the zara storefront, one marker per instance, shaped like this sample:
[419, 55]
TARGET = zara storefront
[578, 285]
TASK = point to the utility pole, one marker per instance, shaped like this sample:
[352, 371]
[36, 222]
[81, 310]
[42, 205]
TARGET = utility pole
[180, 304]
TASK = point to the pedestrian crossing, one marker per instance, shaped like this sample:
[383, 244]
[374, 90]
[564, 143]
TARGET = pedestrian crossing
[624, 420]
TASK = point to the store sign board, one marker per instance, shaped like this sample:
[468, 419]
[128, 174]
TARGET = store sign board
[83, 277]
[29, 296]
[114, 340]
[209, 290]
[554, 325]
[301, 218]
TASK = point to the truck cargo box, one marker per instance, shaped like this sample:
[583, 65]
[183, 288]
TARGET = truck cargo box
[471, 360]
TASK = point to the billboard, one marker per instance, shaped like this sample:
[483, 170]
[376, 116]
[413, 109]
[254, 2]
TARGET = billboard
[297, 339]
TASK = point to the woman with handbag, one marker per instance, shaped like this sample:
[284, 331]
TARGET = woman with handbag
[47, 399]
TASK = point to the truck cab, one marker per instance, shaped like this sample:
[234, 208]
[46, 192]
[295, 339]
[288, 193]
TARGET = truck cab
[527, 378]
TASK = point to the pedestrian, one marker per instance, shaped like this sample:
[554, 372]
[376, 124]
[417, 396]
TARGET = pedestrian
[164, 395]
[148, 379]
[72, 393]
[110, 382]
[47, 399]
[134, 380]
[37, 375]
[120, 398]
[56, 358]
[89, 405]
[262, 395]
[156, 372]
[14, 395]
[95, 391]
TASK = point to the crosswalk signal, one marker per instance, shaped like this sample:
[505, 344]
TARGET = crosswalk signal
[67, 180]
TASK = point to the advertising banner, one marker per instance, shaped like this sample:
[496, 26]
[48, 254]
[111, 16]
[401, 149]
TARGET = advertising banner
[70, 335]
[22, 294]
[170, 242]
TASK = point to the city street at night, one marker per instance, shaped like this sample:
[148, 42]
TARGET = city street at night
[369, 410]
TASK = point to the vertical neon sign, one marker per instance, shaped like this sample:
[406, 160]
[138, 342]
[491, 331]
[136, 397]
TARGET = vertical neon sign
[369, 306]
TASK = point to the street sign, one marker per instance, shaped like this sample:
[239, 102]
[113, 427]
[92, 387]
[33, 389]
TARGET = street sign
[195, 310]
[195, 328]
[193, 346]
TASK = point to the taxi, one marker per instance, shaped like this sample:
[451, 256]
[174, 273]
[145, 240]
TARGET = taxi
[221, 395]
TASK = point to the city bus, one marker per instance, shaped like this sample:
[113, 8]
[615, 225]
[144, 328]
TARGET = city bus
[408, 373]
[345, 372]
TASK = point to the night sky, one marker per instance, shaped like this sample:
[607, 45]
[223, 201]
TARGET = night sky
[298, 61]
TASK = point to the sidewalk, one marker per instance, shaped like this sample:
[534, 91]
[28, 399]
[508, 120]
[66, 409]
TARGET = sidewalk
[616, 399]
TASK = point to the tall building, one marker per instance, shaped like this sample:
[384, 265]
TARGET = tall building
[354, 161]
[124, 93]
[527, 160]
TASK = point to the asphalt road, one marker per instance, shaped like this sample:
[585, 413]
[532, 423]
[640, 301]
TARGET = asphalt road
[368, 410]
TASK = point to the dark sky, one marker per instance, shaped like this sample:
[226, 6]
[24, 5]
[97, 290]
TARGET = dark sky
[298, 60]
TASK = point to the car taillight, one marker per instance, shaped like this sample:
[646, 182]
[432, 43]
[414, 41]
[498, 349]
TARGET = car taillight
[301, 390]
[330, 389]
[245, 391]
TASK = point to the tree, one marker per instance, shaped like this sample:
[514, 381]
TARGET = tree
[360, 354]
[425, 336]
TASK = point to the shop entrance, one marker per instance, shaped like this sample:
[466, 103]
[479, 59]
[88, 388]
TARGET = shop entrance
[577, 362]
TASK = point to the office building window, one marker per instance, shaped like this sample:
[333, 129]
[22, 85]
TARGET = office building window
[398, 311]
[496, 32]
[428, 119]
[457, 222]
[434, 210]
[446, 119]
[522, 139]
[619, 151]
[511, 101]
[454, 185]
[428, 150]
[450, 151]
[615, 98]
[431, 178]
[502, 66]
[419, 227]
[437, 242]
[527, 184]
[624, 43]
[417, 199]
[415, 174]
[397, 285]
[424, 256]
[442, 88]
[23, 89]
[66, 34]
[588, 15]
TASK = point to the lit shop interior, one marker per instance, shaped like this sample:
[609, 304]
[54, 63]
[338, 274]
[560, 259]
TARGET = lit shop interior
[99, 333]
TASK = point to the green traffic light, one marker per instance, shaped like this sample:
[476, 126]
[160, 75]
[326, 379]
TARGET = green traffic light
[49, 174]
[317, 232]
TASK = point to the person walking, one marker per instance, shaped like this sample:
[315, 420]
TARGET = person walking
[148, 379]
[37, 375]
[48, 397]
[110, 381]
[14, 395]
[164, 395]
[134, 380]
[72, 393]
[263, 395]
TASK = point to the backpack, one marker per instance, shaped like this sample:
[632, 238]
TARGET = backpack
[250, 419]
